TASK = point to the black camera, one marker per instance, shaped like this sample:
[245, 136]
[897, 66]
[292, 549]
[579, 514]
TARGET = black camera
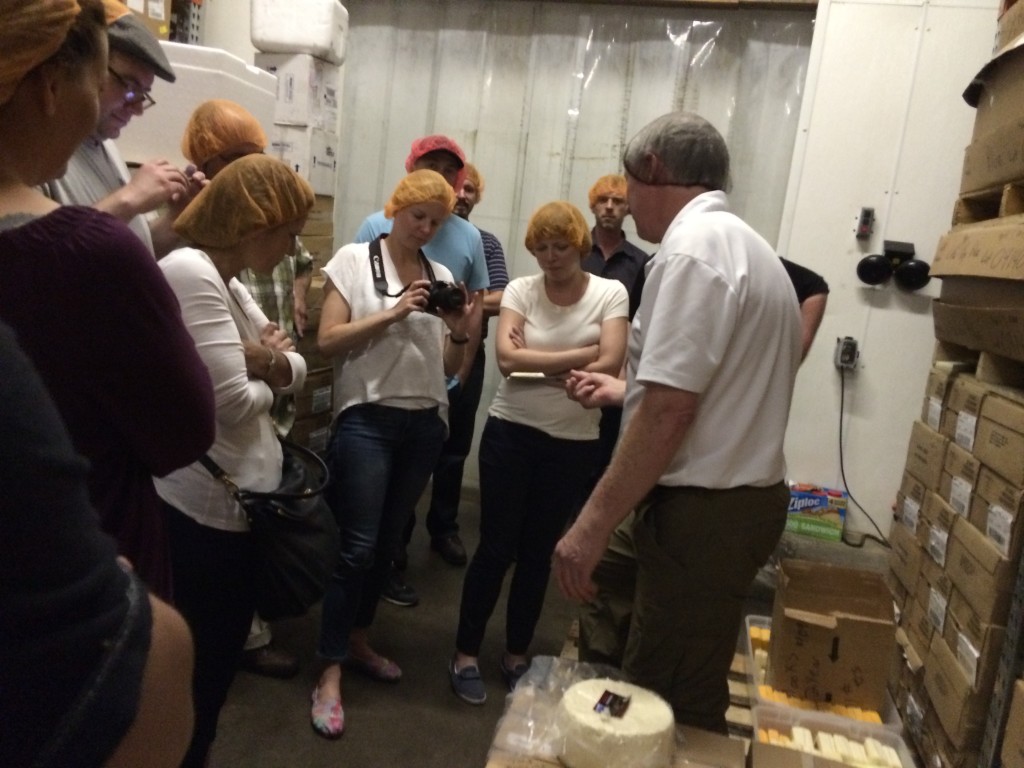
[444, 296]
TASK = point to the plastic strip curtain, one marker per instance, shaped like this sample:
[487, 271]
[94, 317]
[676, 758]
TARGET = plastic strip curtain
[543, 96]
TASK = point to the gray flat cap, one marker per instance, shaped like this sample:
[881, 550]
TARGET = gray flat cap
[130, 36]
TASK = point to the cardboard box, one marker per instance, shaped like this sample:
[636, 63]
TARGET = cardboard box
[940, 382]
[917, 626]
[320, 221]
[934, 532]
[904, 555]
[313, 431]
[312, 152]
[997, 90]
[964, 406]
[155, 14]
[986, 249]
[981, 574]
[1013, 736]
[993, 329]
[308, 89]
[961, 709]
[936, 748]
[976, 644]
[830, 625]
[315, 396]
[959, 477]
[909, 500]
[993, 159]
[321, 249]
[926, 455]
[816, 512]
[1010, 26]
[996, 512]
[1000, 439]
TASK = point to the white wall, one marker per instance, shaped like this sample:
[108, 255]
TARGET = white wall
[883, 125]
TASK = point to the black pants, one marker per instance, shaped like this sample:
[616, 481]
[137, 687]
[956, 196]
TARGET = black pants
[212, 590]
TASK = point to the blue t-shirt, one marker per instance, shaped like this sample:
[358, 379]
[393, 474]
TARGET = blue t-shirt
[456, 244]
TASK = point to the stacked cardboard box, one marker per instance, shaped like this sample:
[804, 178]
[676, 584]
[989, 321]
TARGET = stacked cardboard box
[957, 542]
[302, 42]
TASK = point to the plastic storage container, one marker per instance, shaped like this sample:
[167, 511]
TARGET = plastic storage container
[771, 723]
[317, 27]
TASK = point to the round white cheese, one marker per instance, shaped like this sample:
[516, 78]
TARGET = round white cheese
[602, 730]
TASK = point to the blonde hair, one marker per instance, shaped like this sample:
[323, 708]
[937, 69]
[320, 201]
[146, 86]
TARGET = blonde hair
[473, 174]
[422, 186]
[219, 125]
[559, 220]
[612, 185]
[253, 193]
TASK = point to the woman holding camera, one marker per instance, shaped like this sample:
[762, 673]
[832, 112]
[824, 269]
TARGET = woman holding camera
[394, 334]
[538, 447]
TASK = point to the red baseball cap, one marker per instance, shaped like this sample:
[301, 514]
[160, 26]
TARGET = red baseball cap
[427, 144]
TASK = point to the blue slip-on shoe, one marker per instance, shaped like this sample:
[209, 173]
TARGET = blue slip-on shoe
[467, 683]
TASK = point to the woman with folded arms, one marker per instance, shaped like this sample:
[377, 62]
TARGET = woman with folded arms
[247, 217]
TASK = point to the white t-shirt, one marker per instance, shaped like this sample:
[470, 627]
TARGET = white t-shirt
[403, 366]
[719, 317]
[246, 445]
[551, 327]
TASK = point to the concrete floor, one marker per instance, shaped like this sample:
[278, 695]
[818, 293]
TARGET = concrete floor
[419, 721]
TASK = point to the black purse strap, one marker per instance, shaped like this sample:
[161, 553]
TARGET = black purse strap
[325, 476]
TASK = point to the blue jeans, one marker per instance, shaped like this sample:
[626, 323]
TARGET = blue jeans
[380, 458]
[529, 484]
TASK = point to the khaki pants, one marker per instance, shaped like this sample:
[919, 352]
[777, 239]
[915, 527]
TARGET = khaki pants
[671, 590]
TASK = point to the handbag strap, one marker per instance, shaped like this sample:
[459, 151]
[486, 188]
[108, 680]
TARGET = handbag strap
[286, 445]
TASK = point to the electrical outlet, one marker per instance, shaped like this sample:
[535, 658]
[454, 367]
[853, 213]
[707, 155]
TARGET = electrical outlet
[846, 354]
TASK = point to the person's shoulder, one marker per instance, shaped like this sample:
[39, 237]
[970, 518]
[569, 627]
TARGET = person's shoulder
[637, 253]
[609, 285]
[463, 228]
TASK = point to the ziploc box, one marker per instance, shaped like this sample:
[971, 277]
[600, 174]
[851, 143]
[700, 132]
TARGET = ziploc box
[830, 627]
[815, 511]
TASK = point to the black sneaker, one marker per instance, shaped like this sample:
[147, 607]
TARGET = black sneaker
[398, 592]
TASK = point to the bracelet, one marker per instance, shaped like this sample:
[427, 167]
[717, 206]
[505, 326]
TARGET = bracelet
[453, 340]
[273, 359]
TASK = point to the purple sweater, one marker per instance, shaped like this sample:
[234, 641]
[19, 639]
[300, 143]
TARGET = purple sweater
[92, 310]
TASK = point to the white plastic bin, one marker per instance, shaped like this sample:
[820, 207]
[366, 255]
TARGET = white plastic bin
[317, 27]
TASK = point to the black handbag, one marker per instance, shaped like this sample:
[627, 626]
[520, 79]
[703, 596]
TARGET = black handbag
[295, 534]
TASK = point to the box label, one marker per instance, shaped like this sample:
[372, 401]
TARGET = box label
[966, 426]
[998, 528]
[960, 496]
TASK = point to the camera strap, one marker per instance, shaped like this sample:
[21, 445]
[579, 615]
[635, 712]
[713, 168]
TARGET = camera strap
[377, 268]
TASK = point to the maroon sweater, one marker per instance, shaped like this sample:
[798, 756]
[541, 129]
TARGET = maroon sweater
[92, 310]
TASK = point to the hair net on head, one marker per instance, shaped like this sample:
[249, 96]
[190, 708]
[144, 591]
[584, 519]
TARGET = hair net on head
[422, 186]
[218, 126]
[612, 185]
[559, 220]
[31, 31]
[679, 148]
[253, 193]
[114, 10]
[473, 175]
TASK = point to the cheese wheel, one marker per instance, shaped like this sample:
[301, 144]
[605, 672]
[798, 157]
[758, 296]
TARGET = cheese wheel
[596, 736]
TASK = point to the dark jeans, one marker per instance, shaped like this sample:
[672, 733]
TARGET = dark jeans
[212, 577]
[529, 482]
[380, 459]
[446, 489]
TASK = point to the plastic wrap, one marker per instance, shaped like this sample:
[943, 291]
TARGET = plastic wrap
[531, 727]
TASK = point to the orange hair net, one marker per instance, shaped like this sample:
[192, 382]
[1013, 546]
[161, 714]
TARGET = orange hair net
[114, 10]
[253, 193]
[612, 185]
[422, 186]
[218, 126]
[559, 220]
[31, 31]
[473, 175]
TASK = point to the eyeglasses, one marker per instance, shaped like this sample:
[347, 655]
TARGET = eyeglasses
[133, 94]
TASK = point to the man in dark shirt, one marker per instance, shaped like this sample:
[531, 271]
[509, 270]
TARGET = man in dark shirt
[614, 257]
[812, 295]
